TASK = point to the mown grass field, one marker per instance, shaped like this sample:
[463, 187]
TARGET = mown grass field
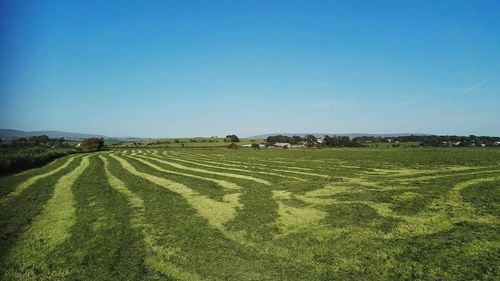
[217, 214]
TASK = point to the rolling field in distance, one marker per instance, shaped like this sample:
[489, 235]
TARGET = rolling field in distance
[182, 143]
[270, 214]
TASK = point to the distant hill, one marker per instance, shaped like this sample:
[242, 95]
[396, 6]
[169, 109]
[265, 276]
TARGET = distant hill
[14, 134]
[351, 135]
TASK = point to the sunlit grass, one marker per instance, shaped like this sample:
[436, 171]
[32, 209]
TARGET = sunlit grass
[48, 230]
[218, 214]
[27, 183]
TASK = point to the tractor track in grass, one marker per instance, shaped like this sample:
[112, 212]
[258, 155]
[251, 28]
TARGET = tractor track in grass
[48, 230]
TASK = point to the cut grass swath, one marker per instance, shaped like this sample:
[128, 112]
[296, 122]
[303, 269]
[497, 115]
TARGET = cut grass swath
[215, 212]
[49, 229]
[220, 166]
[27, 183]
[222, 183]
[155, 251]
[231, 175]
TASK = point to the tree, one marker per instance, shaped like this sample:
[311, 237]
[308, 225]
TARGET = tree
[92, 144]
[296, 140]
[278, 138]
[20, 142]
[233, 138]
[232, 146]
[333, 141]
[255, 146]
[39, 139]
[310, 140]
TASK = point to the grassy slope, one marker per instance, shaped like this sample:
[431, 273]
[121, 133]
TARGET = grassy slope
[364, 213]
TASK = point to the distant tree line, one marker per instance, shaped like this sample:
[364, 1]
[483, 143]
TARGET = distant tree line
[340, 141]
[423, 140]
[42, 141]
[284, 139]
[312, 141]
[35, 151]
[435, 140]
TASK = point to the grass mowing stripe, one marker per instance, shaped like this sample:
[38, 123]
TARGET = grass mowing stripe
[135, 201]
[9, 182]
[48, 230]
[442, 213]
[199, 247]
[237, 163]
[231, 169]
[294, 172]
[423, 178]
[237, 236]
[445, 211]
[17, 215]
[222, 183]
[153, 260]
[103, 245]
[215, 212]
[182, 167]
[27, 183]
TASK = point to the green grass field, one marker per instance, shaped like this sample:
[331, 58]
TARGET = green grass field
[219, 214]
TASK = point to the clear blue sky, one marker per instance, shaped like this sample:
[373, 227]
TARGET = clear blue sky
[204, 68]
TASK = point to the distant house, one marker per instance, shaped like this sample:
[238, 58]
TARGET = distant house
[496, 143]
[320, 141]
[78, 144]
[283, 144]
[249, 145]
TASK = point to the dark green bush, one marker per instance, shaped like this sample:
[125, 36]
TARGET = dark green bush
[14, 160]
